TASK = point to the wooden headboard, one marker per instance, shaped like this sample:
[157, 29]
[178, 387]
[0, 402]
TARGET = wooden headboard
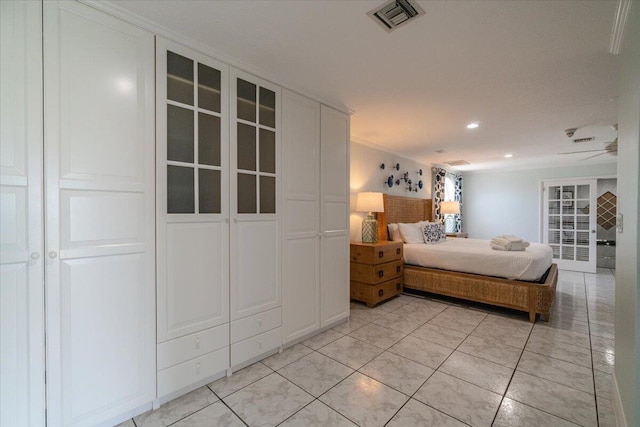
[402, 209]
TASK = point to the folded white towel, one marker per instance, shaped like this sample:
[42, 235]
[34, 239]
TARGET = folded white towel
[512, 238]
[501, 244]
[500, 241]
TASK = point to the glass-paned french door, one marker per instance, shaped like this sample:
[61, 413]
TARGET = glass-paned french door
[569, 216]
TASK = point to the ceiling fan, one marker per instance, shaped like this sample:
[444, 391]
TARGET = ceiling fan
[610, 148]
[595, 134]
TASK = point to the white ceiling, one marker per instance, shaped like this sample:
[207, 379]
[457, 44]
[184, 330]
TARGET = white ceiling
[526, 70]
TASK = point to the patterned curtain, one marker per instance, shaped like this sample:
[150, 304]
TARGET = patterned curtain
[438, 192]
[458, 198]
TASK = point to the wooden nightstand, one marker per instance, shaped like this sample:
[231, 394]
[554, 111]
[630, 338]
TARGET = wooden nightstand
[459, 235]
[377, 271]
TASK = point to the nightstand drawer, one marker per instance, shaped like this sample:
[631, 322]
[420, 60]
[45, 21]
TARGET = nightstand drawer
[373, 294]
[374, 274]
[376, 253]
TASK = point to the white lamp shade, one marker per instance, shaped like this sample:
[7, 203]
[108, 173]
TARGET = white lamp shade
[450, 207]
[369, 202]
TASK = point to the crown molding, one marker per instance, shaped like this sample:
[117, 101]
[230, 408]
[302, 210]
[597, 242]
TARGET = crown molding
[369, 144]
[617, 30]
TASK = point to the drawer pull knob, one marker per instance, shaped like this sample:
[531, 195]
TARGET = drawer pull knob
[259, 344]
[380, 254]
[198, 367]
[398, 269]
[380, 292]
[398, 286]
[398, 251]
[198, 342]
[380, 273]
[259, 322]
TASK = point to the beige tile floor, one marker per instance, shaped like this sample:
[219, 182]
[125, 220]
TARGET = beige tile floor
[423, 362]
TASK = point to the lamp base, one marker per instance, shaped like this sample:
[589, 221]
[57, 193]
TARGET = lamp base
[369, 229]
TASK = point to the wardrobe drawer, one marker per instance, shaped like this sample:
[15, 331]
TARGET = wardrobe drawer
[185, 348]
[252, 347]
[187, 373]
[256, 324]
[376, 253]
[373, 274]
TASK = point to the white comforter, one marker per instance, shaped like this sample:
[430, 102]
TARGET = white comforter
[476, 256]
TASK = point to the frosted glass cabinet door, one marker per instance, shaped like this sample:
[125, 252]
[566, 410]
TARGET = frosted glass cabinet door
[22, 390]
[192, 180]
[100, 254]
[254, 192]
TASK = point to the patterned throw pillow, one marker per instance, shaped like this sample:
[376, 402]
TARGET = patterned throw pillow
[433, 232]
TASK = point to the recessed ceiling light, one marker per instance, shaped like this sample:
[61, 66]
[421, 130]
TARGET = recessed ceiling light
[508, 155]
[473, 125]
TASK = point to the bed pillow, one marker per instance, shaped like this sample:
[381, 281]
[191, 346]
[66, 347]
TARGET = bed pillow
[433, 232]
[411, 233]
[394, 233]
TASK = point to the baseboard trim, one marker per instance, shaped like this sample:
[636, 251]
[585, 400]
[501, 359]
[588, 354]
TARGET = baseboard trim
[618, 410]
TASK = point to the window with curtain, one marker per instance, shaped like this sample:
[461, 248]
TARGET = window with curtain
[447, 186]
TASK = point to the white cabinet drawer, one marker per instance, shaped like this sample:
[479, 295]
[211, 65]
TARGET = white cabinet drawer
[187, 373]
[256, 324]
[181, 349]
[252, 347]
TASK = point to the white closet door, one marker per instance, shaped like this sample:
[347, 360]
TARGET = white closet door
[300, 215]
[192, 191]
[334, 190]
[254, 195]
[100, 214]
[21, 279]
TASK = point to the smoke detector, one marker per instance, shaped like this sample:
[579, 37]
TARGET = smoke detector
[396, 13]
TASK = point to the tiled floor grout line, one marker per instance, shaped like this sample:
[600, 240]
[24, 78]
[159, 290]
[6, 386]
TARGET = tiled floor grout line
[593, 373]
[512, 375]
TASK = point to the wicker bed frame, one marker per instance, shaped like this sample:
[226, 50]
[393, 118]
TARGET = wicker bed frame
[534, 298]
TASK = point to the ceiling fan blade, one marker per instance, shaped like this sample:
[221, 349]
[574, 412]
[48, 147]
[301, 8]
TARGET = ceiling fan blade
[595, 155]
[585, 151]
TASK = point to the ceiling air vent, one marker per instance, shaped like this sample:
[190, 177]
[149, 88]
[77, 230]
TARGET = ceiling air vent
[395, 13]
[589, 139]
[457, 163]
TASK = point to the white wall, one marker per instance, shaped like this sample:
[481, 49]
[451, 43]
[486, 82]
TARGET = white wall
[508, 202]
[366, 175]
[627, 366]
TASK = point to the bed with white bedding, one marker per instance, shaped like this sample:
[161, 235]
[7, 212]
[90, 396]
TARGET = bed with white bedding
[522, 287]
[475, 256]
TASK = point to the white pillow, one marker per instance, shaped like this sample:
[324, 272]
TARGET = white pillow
[411, 233]
[433, 232]
[394, 233]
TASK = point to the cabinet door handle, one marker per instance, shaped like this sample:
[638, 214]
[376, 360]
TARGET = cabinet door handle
[380, 273]
[398, 269]
[380, 254]
[35, 255]
[398, 251]
[398, 286]
[380, 292]
[53, 254]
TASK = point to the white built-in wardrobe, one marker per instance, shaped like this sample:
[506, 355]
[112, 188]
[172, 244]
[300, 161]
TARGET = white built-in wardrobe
[177, 217]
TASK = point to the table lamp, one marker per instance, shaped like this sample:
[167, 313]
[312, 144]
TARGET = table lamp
[369, 202]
